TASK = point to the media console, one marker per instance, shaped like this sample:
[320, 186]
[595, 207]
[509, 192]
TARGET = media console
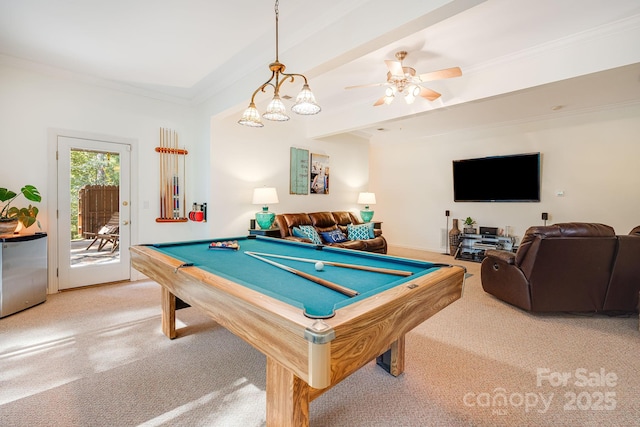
[472, 246]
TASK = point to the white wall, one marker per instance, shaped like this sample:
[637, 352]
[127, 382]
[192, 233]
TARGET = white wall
[592, 156]
[244, 158]
[31, 104]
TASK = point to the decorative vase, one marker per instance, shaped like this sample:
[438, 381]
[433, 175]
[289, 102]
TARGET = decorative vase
[454, 238]
[265, 218]
[8, 226]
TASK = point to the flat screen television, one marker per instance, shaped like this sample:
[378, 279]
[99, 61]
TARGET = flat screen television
[513, 178]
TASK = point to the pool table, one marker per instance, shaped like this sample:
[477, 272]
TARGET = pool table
[313, 336]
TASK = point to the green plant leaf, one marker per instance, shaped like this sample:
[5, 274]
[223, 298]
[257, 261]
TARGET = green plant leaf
[6, 194]
[27, 216]
[31, 193]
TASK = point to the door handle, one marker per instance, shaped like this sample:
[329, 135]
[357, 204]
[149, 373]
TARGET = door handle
[125, 222]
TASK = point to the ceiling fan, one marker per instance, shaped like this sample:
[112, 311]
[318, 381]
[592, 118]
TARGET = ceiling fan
[404, 81]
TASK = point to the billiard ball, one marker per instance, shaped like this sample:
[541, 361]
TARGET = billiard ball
[319, 266]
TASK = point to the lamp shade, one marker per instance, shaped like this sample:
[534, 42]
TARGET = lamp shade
[265, 196]
[367, 199]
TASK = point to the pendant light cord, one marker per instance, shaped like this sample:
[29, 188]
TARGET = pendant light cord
[277, 15]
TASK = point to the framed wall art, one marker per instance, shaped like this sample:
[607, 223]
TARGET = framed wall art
[319, 177]
[299, 171]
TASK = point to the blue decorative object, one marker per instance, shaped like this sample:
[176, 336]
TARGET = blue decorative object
[298, 233]
[366, 199]
[358, 232]
[264, 196]
[311, 233]
[334, 236]
[265, 218]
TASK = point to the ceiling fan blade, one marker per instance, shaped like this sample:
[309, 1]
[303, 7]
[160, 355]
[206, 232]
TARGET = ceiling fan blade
[429, 94]
[395, 67]
[379, 101]
[441, 74]
[369, 85]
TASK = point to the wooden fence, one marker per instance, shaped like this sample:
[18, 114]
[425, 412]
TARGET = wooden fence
[96, 204]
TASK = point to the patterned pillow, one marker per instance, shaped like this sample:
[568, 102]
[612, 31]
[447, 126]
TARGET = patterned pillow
[311, 233]
[358, 232]
[334, 236]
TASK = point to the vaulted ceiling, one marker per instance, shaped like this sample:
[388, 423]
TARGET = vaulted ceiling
[523, 57]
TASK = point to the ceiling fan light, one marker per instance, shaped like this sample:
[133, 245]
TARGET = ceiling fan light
[251, 117]
[388, 99]
[409, 98]
[276, 110]
[306, 102]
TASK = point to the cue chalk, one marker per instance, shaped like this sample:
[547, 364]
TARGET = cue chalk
[327, 284]
[186, 264]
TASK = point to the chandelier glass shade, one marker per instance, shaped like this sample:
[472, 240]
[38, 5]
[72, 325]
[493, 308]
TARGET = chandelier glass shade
[276, 110]
[305, 101]
[251, 117]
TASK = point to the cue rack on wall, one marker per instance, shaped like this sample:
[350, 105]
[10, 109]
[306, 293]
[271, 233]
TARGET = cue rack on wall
[172, 178]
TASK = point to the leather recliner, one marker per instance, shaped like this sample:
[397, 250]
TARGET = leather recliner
[624, 285]
[575, 267]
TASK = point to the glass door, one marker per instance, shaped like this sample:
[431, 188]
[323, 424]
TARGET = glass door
[93, 212]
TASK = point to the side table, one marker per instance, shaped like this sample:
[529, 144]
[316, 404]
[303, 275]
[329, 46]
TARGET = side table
[271, 232]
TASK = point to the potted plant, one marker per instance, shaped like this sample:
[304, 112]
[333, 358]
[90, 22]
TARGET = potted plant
[468, 226]
[11, 215]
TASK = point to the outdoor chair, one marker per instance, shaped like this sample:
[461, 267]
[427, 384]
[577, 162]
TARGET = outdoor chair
[109, 233]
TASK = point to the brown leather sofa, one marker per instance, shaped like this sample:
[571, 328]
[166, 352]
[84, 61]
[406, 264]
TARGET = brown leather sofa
[574, 267]
[329, 222]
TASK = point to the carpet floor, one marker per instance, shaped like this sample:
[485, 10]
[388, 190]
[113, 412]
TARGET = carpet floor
[97, 357]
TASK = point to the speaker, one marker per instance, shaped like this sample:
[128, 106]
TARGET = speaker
[252, 224]
[489, 231]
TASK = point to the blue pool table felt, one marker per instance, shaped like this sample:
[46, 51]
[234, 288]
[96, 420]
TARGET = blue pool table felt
[315, 300]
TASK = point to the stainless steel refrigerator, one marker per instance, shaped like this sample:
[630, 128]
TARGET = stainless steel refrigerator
[23, 272]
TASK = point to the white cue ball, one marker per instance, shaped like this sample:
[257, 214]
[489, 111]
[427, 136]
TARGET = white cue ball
[319, 266]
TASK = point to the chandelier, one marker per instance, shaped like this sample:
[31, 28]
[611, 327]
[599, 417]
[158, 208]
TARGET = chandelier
[305, 101]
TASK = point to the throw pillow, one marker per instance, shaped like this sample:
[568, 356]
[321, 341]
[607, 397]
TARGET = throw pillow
[372, 234]
[311, 233]
[298, 233]
[358, 232]
[334, 236]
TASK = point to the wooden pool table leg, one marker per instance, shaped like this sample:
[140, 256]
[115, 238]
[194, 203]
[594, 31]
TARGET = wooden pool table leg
[287, 397]
[168, 313]
[392, 360]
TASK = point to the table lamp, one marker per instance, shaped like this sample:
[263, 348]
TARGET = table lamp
[366, 199]
[264, 196]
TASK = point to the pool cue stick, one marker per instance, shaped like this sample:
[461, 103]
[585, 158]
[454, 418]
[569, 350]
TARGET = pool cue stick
[173, 178]
[343, 265]
[184, 183]
[161, 172]
[164, 174]
[176, 202]
[333, 286]
[167, 182]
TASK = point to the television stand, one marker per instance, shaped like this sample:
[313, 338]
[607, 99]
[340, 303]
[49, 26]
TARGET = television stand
[472, 247]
